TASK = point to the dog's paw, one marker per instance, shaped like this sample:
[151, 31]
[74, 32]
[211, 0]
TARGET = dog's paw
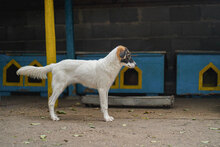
[109, 118]
[55, 118]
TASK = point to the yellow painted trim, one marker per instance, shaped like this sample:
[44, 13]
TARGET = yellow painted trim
[5, 83]
[116, 85]
[50, 39]
[139, 86]
[27, 83]
[210, 65]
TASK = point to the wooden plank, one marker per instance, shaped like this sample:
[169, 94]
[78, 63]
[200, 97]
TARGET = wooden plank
[141, 52]
[137, 101]
[196, 52]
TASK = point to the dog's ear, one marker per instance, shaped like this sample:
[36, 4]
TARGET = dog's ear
[121, 52]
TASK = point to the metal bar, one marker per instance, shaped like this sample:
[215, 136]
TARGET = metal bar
[69, 29]
[69, 36]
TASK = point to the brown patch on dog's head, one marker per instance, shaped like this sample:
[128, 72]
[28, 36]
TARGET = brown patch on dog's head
[121, 52]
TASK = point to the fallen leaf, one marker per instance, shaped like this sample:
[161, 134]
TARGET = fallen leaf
[77, 135]
[186, 109]
[77, 104]
[124, 125]
[73, 109]
[43, 137]
[91, 125]
[35, 124]
[134, 115]
[205, 141]
[21, 112]
[146, 118]
[214, 128]
[26, 142]
[61, 112]
[147, 112]
[131, 110]
[42, 117]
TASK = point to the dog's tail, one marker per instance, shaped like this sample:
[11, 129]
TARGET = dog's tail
[35, 72]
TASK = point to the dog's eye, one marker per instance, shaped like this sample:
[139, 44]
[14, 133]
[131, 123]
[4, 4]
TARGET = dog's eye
[129, 55]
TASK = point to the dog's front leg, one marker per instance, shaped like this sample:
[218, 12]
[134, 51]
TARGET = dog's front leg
[103, 96]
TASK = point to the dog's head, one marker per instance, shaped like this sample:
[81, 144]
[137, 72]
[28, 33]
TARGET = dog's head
[124, 57]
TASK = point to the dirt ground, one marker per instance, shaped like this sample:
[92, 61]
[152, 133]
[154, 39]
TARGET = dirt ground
[24, 121]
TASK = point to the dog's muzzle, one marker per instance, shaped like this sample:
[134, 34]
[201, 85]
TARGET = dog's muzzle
[131, 65]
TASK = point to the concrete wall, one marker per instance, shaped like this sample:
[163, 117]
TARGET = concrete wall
[140, 28]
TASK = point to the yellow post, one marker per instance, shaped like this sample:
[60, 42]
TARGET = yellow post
[50, 39]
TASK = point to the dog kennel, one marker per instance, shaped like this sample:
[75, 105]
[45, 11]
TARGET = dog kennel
[11, 82]
[198, 73]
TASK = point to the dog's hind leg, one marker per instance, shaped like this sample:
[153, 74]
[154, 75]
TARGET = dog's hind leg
[103, 96]
[51, 105]
[57, 90]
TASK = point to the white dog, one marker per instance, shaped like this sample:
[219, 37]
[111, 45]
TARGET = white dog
[97, 74]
